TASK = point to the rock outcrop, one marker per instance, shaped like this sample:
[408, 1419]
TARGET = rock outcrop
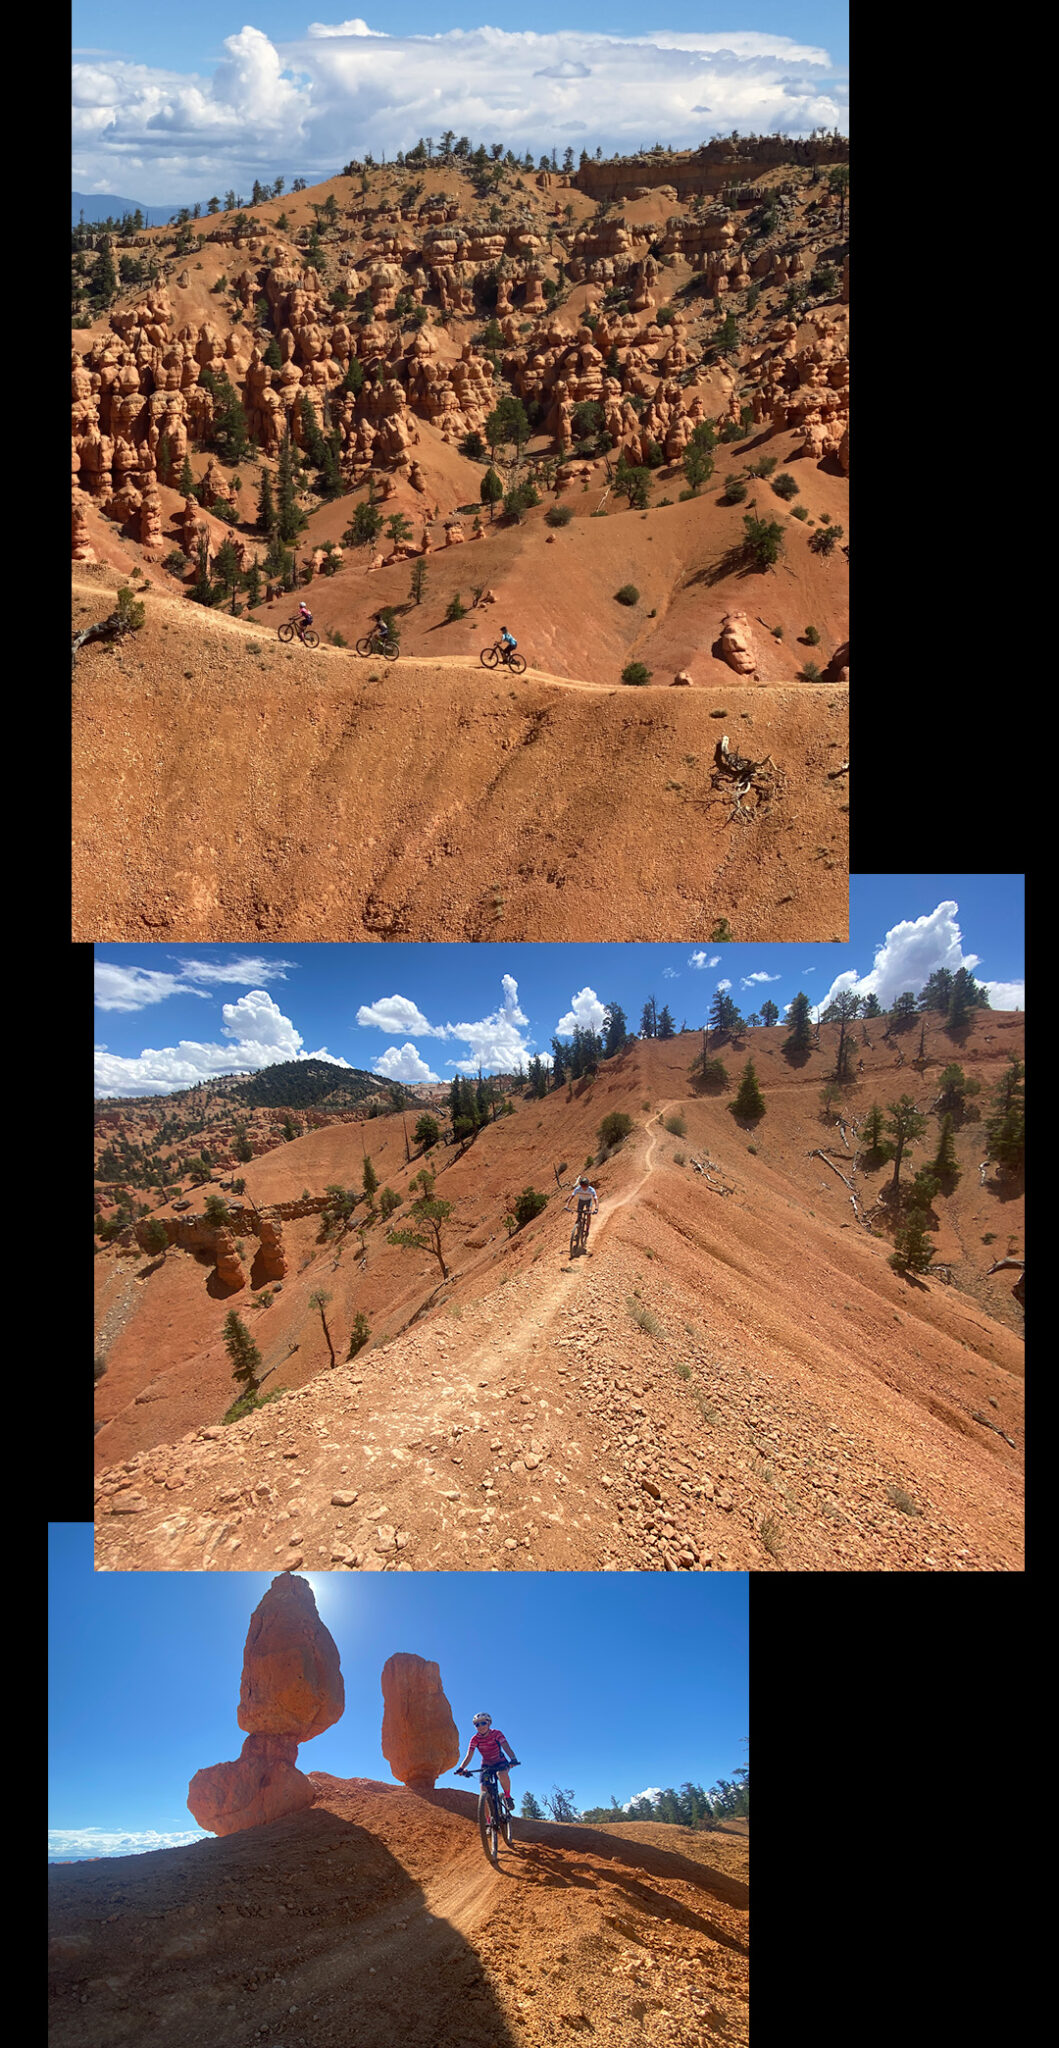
[291, 1690]
[419, 1736]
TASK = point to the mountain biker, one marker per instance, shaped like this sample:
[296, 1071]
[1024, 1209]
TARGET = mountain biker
[491, 1745]
[507, 643]
[305, 617]
[587, 1198]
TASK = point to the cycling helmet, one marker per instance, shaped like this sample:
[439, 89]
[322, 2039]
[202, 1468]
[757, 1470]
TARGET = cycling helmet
[479, 1718]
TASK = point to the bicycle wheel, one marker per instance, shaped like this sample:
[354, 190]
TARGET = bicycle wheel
[487, 1826]
[310, 638]
[573, 1242]
[364, 646]
[517, 665]
[391, 649]
[489, 657]
[286, 632]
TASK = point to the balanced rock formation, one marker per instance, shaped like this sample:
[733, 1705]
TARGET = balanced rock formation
[291, 1690]
[419, 1735]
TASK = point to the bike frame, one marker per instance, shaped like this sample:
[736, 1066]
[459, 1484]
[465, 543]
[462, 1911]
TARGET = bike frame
[495, 1820]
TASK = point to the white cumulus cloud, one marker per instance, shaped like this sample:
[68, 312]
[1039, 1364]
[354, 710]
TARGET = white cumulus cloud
[260, 1034]
[909, 954]
[403, 1064]
[701, 960]
[300, 105]
[398, 1013]
[1006, 995]
[586, 1010]
[748, 979]
[498, 1043]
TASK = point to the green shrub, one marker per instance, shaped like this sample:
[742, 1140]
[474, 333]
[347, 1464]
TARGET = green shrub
[359, 1335]
[155, 1235]
[676, 1125]
[799, 512]
[810, 672]
[615, 1126]
[635, 672]
[527, 1205]
[734, 490]
[559, 515]
[628, 594]
[785, 486]
[642, 1317]
[812, 635]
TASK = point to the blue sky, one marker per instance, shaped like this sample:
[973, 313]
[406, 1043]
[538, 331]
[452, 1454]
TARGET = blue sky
[173, 106]
[610, 1683]
[169, 1016]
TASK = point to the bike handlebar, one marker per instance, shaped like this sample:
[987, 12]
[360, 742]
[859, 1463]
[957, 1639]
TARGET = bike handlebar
[506, 1763]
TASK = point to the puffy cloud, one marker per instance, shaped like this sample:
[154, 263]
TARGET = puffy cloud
[1006, 995]
[701, 960]
[293, 106]
[724, 984]
[398, 1013]
[498, 1043]
[134, 988]
[749, 979]
[670, 974]
[261, 1037]
[90, 1842]
[586, 1011]
[908, 956]
[403, 1064]
[651, 1792]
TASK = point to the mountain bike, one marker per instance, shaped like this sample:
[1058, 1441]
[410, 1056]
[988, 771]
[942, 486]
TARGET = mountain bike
[494, 1819]
[579, 1234]
[492, 657]
[379, 643]
[305, 633]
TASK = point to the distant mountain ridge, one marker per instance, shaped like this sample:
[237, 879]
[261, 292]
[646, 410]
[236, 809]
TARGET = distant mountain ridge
[108, 206]
[298, 1084]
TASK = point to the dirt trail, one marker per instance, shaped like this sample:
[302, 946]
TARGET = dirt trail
[374, 1918]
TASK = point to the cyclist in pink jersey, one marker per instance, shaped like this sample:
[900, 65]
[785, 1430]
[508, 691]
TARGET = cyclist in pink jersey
[491, 1746]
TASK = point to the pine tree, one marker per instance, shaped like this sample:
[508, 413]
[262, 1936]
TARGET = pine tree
[769, 1013]
[615, 1031]
[749, 1103]
[945, 1164]
[936, 992]
[966, 995]
[801, 1025]
[243, 1352]
[186, 485]
[871, 1006]
[904, 1008]
[491, 490]
[905, 1124]
[266, 510]
[369, 1181]
[1006, 1127]
[913, 1248]
[666, 1027]
[290, 519]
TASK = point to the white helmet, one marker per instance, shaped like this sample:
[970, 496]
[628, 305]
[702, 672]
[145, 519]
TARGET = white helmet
[479, 1718]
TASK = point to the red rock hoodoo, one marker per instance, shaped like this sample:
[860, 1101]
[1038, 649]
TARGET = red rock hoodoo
[419, 1736]
[291, 1690]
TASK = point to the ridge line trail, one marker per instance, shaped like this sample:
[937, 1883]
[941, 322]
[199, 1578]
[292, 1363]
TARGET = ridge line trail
[257, 629]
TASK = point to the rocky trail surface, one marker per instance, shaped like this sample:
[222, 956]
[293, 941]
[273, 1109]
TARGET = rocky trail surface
[807, 1411]
[375, 1917]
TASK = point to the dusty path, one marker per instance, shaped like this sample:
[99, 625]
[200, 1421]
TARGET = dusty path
[228, 788]
[374, 1918]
